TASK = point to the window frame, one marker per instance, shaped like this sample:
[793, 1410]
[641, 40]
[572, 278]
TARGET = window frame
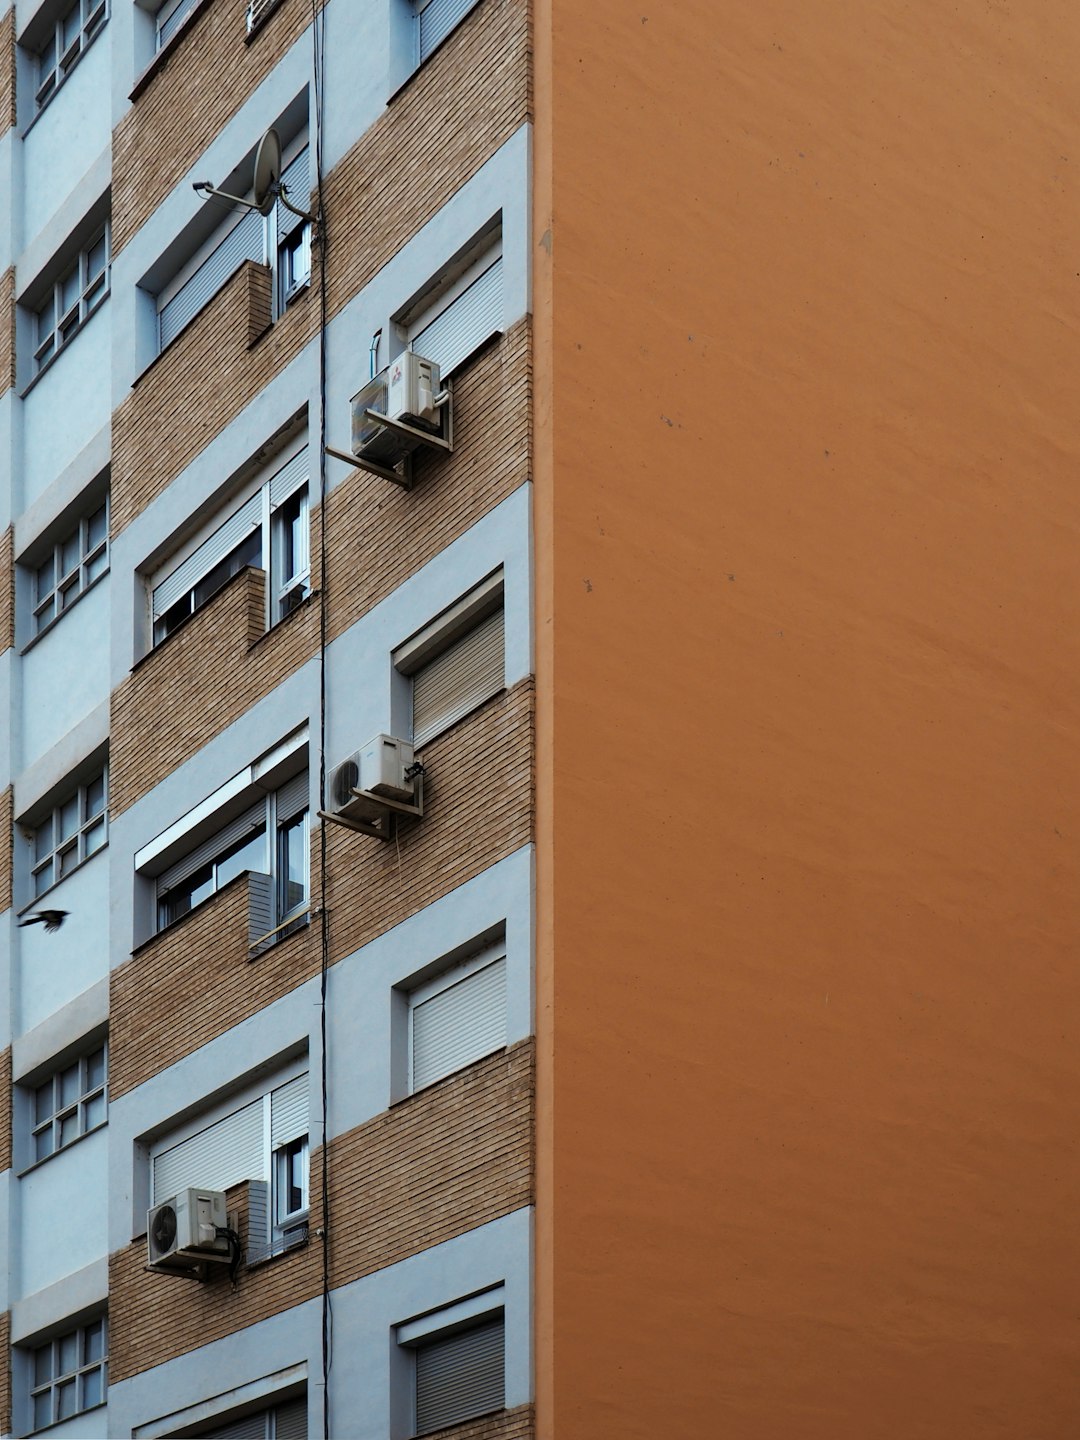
[440, 1325]
[420, 994]
[62, 1110]
[63, 844]
[76, 580]
[93, 17]
[58, 1378]
[92, 290]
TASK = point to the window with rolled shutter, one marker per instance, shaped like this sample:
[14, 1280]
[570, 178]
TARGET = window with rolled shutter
[287, 1421]
[226, 1153]
[245, 241]
[459, 1376]
[458, 1024]
[436, 18]
[470, 319]
[460, 678]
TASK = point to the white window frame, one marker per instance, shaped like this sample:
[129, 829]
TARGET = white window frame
[55, 60]
[52, 1387]
[443, 981]
[70, 582]
[79, 1108]
[58, 319]
[284, 593]
[92, 825]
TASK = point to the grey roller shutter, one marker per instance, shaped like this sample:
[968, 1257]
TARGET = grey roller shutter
[222, 840]
[245, 241]
[289, 1112]
[251, 1427]
[262, 917]
[225, 1153]
[222, 542]
[258, 1220]
[459, 1376]
[459, 1024]
[168, 27]
[462, 677]
[289, 477]
[437, 19]
[297, 182]
[465, 324]
[290, 1420]
[292, 798]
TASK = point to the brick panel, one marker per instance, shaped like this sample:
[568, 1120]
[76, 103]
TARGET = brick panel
[193, 982]
[478, 802]
[199, 383]
[199, 681]
[7, 589]
[402, 531]
[153, 1318]
[5, 1373]
[516, 1424]
[7, 330]
[469, 98]
[454, 1157]
[7, 71]
[7, 844]
[151, 152]
[5, 1108]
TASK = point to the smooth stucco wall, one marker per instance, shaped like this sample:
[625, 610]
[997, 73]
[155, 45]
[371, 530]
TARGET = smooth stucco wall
[806, 537]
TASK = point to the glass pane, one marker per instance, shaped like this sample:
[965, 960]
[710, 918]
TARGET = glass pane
[97, 565]
[93, 1342]
[46, 318]
[43, 1410]
[69, 1128]
[94, 1112]
[91, 1389]
[96, 528]
[95, 263]
[45, 578]
[93, 837]
[69, 590]
[95, 1069]
[69, 818]
[72, 25]
[249, 855]
[95, 797]
[43, 1370]
[43, 1143]
[43, 1102]
[70, 554]
[43, 839]
[43, 878]
[70, 1087]
[69, 291]
[68, 1358]
[69, 858]
[174, 616]
[292, 866]
[66, 1400]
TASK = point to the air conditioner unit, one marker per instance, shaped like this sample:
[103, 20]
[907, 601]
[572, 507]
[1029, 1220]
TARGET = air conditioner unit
[407, 391]
[379, 768]
[182, 1233]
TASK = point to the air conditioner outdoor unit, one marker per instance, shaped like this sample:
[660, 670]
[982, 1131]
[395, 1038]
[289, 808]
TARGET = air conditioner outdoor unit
[407, 391]
[182, 1233]
[379, 768]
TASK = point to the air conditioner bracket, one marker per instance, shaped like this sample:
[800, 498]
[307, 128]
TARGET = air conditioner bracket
[384, 827]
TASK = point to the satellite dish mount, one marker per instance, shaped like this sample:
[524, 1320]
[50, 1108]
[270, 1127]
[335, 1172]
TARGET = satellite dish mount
[266, 188]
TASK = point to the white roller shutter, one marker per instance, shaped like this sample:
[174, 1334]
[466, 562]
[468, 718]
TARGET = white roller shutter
[222, 542]
[289, 1112]
[289, 477]
[292, 798]
[459, 1024]
[459, 1376]
[465, 324]
[225, 1153]
[437, 19]
[246, 241]
[462, 677]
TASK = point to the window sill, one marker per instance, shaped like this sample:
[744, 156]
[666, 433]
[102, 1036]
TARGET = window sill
[298, 1237]
[37, 1164]
[47, 629]
[35, 903]
[45, 1429]
[162, 56]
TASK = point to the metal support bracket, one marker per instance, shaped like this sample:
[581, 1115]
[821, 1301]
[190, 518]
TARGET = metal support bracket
[385, 825]
[403, 476]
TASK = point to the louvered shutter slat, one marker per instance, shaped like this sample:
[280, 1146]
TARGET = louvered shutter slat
[462, 677]
[222, 542]
[222, 840]
[292, 798]
[296, 180]
[459, 1024]
[437, 20]
[289, 1112]
[224, 1154]
[244, 242]
[291, 1420]
[168, 27]
[460, 1376]
[261, 914]
[289, 477]
[251, 1427]
[464, 325]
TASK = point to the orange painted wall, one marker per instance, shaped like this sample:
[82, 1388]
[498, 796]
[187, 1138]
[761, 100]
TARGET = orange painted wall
[808, 502]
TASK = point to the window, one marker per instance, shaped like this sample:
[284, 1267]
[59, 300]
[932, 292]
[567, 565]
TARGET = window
[459, 1364]
[293, 232]
[456, 1018]
[262, 1139]
[68, 39]
[467, 311]
[270, 530]
[169, 19]
[70, 1374]
[268, 837]
[456, 662]
[435, 19]
[72, 566]
[71, 833]
[286, 1421]
[71, 300]
[69, 1104]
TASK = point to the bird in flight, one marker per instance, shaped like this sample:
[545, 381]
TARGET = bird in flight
[51, 919]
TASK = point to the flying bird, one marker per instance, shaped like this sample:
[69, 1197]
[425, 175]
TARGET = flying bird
[51, 919]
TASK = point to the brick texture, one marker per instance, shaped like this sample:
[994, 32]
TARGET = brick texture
[7, 71]
[7, 589]
[197, 973]
[150, 150]
[5, 1108]
[465, 102]
[195, 684]
[449, 1159]
[402, 531]
[7, 845]
[199, 383]
[7, 330]
[478, 804]
[516, 1424]
[5, 1373]
[456, 1156]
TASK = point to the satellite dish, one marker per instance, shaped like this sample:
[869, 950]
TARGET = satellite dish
[267, 171]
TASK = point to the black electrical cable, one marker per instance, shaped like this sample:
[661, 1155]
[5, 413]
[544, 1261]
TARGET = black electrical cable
[317, 37]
